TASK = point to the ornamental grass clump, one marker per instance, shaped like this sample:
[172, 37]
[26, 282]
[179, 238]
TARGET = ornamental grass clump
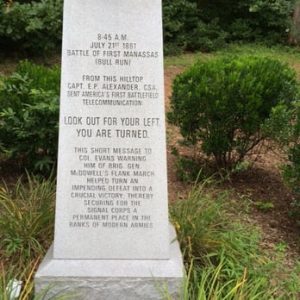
[26, 220]
[223, 258]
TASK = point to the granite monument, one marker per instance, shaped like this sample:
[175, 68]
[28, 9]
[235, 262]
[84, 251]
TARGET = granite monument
[112, 235]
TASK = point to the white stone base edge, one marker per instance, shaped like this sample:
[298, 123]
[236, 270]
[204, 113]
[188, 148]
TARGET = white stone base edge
[112, 279]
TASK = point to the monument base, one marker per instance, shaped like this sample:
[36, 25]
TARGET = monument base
[112, 279]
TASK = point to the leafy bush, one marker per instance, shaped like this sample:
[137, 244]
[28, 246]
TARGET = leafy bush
[184, 29]
[283, 126]
[29, 109]
[292, 177]
[271, 20]
[34, 26]
[251, 21]
[223, 103]
[206, 37]
[207, 25]
[179, 17]
[292, 169]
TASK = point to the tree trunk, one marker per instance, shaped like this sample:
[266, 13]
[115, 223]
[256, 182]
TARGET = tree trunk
[294, 37]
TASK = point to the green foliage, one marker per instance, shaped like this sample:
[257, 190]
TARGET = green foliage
[277, 13]
[264, 206]
[176, 14]
[29, 116]
[184, 30]
[223, 103]
[186, 169]
[222, 258]
[292, 177]
[206, 37]
[26, 232]
[293, 282]
[35, 27]
[207, 25]
[251, 21]
[26, 222]
[283, 126]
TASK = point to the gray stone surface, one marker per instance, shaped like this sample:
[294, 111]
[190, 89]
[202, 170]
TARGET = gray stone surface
[112, 183]
[112, 239]
[112, 279]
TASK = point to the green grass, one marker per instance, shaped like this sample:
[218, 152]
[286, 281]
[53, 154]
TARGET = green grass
[264, 206]
[186, 59]
[222, 257]
[26, 232]
[292, 283]
[25, 275]
[285, 54]
[280, 52]
[26, 222]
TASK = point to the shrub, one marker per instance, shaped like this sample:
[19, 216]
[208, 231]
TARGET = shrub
[223, 103]
[283, 126]
[179, 17]
[292, 177]
[271, 20]
[185, 30]
[251, 21]
[207, 25]
[29, 111]
[206, 37]
[35, 27]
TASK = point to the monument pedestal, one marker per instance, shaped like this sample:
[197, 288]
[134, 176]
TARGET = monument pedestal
[113, 279]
